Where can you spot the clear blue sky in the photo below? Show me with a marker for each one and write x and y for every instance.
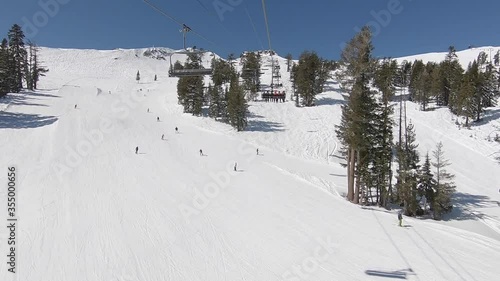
(416, 26)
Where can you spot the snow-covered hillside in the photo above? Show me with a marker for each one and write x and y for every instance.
(465, 56)
(90, 208)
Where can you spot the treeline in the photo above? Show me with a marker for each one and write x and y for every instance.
(465, 92)
(19, 63)
(366, 129)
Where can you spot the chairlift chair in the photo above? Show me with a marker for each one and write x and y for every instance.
(176, 72)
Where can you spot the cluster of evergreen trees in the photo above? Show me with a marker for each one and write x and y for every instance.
(366, 133)
(225, 97)
(465, 93)
(309, 77)
(19, 63)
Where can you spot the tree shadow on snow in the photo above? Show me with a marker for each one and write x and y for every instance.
(20, 99)
(463, 202)
(329, 101)
(26, 98)
(489, 116)
(256, 125)
(10, 120)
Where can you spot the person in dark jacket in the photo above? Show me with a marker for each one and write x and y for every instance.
(400, 218)
(136, 149)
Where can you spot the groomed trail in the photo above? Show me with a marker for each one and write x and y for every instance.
(90, 208)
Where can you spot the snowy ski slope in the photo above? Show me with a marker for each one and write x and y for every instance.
(89, 208)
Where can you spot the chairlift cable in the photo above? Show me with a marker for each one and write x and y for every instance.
(267, 24)
(177, 21)
(211, 13)
(253, 26)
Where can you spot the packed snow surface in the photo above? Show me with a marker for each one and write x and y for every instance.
(90, 208)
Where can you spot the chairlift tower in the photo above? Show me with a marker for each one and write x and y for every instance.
(276, 74)
(185, 29)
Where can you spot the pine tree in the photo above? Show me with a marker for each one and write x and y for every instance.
(237, 106)
(486, 87)
(449, 80)
(4, 68)
(138, 76)
(222, 73)
(28, 63)
(417, 72)
(37, 69)
(218, 104)
(403, 81)
(356, 130)
(426, 182)
(407, 178)
(293, 78)
(385, 78)
(251, 73)
(445, 188)
(325, 69)
(496, 58)
(190, 90)
(18, 52)
(309, 80)
(465, 103)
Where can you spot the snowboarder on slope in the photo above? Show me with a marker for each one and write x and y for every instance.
(257, 151)
(158, 119)
(162, 136)
(136, 149)
(400, 218)
(176, 130)
(75, 106)
(235, 166)
(201, 152)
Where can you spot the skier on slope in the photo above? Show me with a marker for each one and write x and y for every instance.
(400, 218)
(201, 152)
(235, 166)
(176, 130)
(158, 119)
(136, 149)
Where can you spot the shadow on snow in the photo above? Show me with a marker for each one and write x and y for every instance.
(10, 120)
(256, 125)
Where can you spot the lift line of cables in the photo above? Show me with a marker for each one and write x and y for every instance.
(267, 24)
(185, 28)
